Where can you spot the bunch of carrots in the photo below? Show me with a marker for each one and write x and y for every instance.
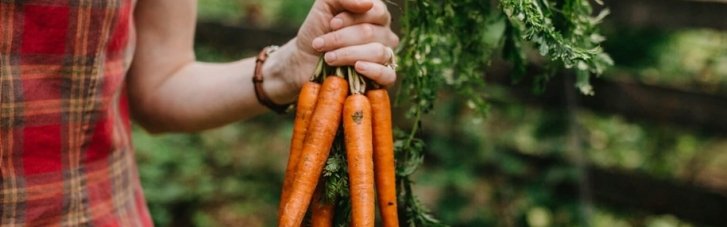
(323, 104)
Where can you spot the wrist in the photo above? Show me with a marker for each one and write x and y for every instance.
(280, 88)
(285, 71)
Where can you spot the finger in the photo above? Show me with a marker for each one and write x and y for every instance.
(355, 6)
(371, 52)
(380, 74)
(394, 40)
(378, 15)
(355, 35)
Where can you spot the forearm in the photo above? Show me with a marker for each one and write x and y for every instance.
(169, 91)
(200, 95)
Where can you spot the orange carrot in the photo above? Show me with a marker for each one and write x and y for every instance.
(304, 110)
(359, 150)
(384, 169)
(317, 145)
(322, 210)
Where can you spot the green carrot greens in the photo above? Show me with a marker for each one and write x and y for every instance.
(449, 44)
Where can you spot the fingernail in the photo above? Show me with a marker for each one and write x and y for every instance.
(330, 57)
(318, 43)
(336, 23)
(364, 3)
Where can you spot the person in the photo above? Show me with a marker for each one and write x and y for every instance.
(72, 73)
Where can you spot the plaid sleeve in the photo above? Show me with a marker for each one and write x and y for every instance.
(65, 151)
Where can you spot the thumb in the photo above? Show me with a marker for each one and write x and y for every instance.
(354, 6)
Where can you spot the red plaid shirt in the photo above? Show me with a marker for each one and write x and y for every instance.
(65, 152)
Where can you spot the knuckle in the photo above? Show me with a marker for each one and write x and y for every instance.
(390, 78)
(343, 55)
(379, 11)
(382, 73)
(382, 52)
(394, 40)
(385, 4)
(335, 39)
(367, 31)
(376, 76)
(380, 5)
(344, 16)
(383, 14)
(348, 19)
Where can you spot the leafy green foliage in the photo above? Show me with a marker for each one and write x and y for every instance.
(687, 59)
(271, 13)
(449, 44)
(335, 177)
(573, 44)
(201, 179)
(232, 176)
(335, 174)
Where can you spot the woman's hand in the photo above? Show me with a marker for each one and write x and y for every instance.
(348, 32)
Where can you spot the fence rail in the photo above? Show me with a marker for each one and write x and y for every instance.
(635, 191)
(692, 110)
(668, 14)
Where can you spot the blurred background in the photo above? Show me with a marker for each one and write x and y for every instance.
(649, 149)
